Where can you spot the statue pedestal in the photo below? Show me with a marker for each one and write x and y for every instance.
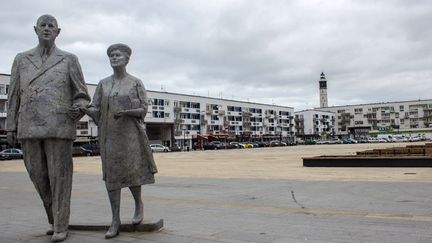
(143, 227)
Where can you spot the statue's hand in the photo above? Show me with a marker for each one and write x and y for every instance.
(85, 110)
(75, 113)
(119, 114)
(11, 138)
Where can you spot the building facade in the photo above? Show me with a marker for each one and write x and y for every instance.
(176, 119)
(412, 118)
(314, 124)
(4, 87)
(184, 117)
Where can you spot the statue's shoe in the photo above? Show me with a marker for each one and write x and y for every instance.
(138, 217)
(111, 234)
(50, 230)
(59, 236)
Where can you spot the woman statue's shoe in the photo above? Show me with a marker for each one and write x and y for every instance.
(138, 217)
(50, 230)
(111, 234)
(59, 236)
(113, 231)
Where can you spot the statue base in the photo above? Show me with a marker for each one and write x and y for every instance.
(143, 227)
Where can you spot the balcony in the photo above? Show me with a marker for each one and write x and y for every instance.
(246, 114)
(185, 110)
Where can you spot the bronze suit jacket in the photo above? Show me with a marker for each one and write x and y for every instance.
(41, 94)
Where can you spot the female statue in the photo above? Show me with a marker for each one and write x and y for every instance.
(119, 107)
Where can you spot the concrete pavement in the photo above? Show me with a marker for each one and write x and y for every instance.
(239, 196)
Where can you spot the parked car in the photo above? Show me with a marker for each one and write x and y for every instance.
(274, 143)
(93, 147)
(415, 139)
(322, 142)
(247, 144)
(159, 148)
(80, 151)
(236, 145)
(263, 144)
(254, 144)
(372, 140)
(11, 154)
(336, 141)
(349, 141)
(214, 145)
(362, 140)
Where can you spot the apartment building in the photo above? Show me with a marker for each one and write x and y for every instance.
(186, 117)
(4, 87)
(179, 118)
(401, 117)
(314, 124)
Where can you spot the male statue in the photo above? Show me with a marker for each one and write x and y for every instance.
(46, 91)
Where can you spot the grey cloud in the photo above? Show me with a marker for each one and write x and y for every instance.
(264, 51)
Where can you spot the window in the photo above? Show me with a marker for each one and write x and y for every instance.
(195, 127)
(195, 105)
(82, 125)
(185, 104)
(158, 114)
(185, 116)
(2, 89)
(158, 102)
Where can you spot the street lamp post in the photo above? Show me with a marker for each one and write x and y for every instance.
(280, 134)
(184, 136)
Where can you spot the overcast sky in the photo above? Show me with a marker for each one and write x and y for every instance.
(262, 51)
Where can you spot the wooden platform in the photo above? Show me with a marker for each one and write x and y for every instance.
(409, 156)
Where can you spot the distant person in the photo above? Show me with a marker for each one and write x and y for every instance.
(119, 107)
(46, 93)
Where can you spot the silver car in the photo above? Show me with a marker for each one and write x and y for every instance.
(159, 148)
(11, 154)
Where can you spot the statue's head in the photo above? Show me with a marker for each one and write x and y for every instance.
(119, 54)
(47, 29)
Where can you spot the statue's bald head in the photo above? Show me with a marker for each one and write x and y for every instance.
(47, 30)
(46, 17)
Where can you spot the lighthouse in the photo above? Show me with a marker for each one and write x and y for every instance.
(323, 91)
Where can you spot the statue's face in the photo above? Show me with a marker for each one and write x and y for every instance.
(118, 58)
(47, 29)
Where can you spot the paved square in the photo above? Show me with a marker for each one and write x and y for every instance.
(250, 195)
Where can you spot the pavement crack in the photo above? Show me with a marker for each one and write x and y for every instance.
(295, 200)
